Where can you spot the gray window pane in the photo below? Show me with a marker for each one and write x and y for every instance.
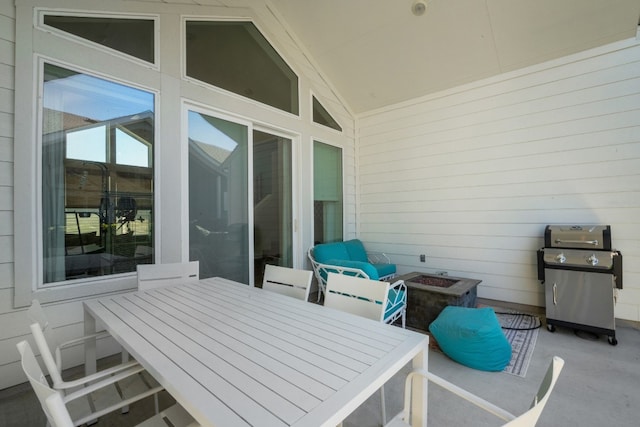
(236, 57)
(134, 37)
(322, 116)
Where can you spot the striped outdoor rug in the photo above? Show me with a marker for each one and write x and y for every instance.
(522, 338)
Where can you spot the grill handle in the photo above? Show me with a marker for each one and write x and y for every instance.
(577, 242)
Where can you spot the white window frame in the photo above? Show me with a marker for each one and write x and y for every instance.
(34, 47)
(170, 87)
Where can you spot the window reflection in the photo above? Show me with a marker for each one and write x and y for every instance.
(97, 177)
(218, 197)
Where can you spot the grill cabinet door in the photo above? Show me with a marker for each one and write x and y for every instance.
(580, 297)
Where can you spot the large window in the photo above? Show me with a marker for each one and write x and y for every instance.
(97, 176)
(146, 135)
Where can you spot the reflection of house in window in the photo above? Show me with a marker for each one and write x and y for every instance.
(107, 192)
(209, 164)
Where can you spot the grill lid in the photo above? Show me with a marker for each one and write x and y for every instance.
(594, 237)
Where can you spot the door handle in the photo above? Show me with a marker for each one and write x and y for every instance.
(555, 294)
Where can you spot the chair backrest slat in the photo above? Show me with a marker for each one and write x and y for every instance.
(37, 379)
(364, 297)
(151, 276)
(45, 339)
(288, 281)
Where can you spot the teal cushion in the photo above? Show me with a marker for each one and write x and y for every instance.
(472, 337)
(356, 251)
(369, 269)
(326, 251)
(384, 269)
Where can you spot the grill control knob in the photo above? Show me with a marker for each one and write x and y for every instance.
(561, 258)
(593, 260)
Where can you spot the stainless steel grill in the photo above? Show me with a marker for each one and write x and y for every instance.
(581, 274)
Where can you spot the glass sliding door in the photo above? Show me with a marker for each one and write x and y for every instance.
(327, 193)
(272, 202)
(218, 196)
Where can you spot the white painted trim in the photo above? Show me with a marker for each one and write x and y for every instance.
(31, 55)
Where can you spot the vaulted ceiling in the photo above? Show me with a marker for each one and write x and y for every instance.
(377, 52)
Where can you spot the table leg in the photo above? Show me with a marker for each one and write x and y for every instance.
(90, 344)
(419, 393)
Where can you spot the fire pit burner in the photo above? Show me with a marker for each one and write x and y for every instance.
(428, 294)
(434, 281)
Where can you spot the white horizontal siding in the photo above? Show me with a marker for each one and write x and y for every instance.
(471, 176)
(13, 324)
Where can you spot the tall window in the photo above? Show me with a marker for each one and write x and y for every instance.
(327, 193)
(97, 176)
(272, 202)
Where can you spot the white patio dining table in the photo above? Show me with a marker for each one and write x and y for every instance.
(236, 355)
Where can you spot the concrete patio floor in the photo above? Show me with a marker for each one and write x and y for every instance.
(599, 386)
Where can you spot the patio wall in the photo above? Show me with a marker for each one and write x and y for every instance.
(67, 317)
(471, 176)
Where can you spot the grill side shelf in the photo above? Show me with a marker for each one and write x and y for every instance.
(541, 265)
(617, 268)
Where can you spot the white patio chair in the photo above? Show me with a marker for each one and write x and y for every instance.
(287, 281)
(527, 419)
(114, 386)
(73, 409)
(367, 298)
(152, 276)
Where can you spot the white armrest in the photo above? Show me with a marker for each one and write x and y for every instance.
(378, 258)
(74, 341)
(87, 390)
(105, 376)
(470, 397)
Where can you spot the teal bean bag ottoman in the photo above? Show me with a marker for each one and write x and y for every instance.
(472, 337)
